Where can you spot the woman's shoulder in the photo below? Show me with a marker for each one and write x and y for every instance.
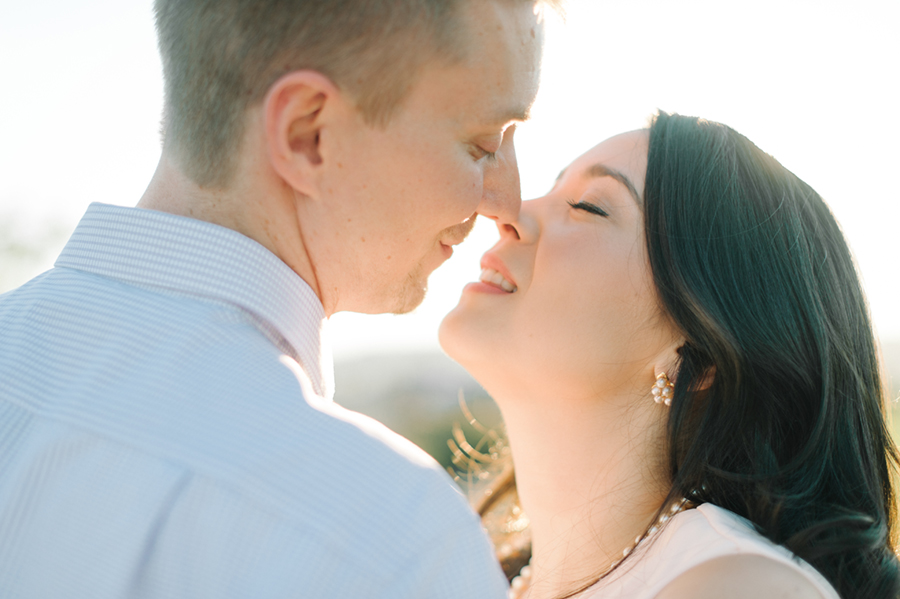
(722, 554)
(742, 576)
(704, 548)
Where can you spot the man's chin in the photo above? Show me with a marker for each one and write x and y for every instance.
(410, 300)
(411, 295)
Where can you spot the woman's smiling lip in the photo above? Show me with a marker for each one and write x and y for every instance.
(484, 288)
(491, 261)
(494, 277)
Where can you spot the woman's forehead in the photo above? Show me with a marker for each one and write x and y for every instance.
(624, 154)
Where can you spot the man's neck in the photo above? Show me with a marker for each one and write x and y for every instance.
(172, 191)
(248, 207)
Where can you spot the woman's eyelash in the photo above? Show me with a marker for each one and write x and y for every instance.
(588, 208)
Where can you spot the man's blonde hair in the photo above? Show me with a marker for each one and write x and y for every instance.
(221, 56)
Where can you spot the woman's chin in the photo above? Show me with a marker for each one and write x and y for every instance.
(469, 343)
(448, 334)
(462, 339)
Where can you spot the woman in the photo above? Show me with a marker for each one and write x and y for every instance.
(680, 347)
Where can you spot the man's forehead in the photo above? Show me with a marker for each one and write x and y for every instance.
(496, 83)
(505, 47)
(509, 103)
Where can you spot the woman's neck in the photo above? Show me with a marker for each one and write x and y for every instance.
(590, 478)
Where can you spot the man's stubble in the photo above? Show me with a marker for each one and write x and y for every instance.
(414, 289)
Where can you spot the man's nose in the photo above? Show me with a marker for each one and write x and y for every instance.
(502, 196)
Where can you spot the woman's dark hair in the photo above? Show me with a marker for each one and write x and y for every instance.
(751, 266)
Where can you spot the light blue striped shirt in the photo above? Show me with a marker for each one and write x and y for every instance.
(166, 430)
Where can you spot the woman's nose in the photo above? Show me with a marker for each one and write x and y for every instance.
(525, 228)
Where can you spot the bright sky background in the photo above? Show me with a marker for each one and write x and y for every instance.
(813, 82)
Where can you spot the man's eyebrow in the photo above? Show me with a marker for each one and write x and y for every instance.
(601, 170)
(515, 114)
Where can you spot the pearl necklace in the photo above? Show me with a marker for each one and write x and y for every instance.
(520, 584)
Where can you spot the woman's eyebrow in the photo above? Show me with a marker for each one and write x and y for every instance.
(601, 170)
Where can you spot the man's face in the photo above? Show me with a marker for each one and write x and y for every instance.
(396, 199)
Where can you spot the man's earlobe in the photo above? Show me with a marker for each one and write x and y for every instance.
(293, 110)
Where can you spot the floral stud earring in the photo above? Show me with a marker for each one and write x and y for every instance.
(663, 389)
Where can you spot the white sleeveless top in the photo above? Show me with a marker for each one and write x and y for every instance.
(689, 539)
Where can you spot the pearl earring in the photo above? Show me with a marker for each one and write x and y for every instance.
(663, 389)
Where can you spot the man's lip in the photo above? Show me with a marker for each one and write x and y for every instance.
(490, 260)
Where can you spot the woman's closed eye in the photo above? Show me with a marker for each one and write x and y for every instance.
(588, 207)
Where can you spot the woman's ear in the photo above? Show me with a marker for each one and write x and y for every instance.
(668, 360)
(295, 110)
(707, 379)
(670, 368)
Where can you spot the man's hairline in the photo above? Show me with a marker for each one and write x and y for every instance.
(513, 113)
(459, 54)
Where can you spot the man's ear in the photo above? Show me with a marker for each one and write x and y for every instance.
(294, 111)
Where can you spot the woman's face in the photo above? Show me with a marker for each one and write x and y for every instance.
(584, 317)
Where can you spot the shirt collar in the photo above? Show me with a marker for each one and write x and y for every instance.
(184, 255)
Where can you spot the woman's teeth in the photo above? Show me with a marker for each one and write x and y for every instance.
(489, 275)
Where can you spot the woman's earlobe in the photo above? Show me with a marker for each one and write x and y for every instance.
(706, 381)
(663, 389)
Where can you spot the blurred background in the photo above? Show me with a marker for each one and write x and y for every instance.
(813, 82)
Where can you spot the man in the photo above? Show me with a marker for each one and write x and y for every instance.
(166, 427)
